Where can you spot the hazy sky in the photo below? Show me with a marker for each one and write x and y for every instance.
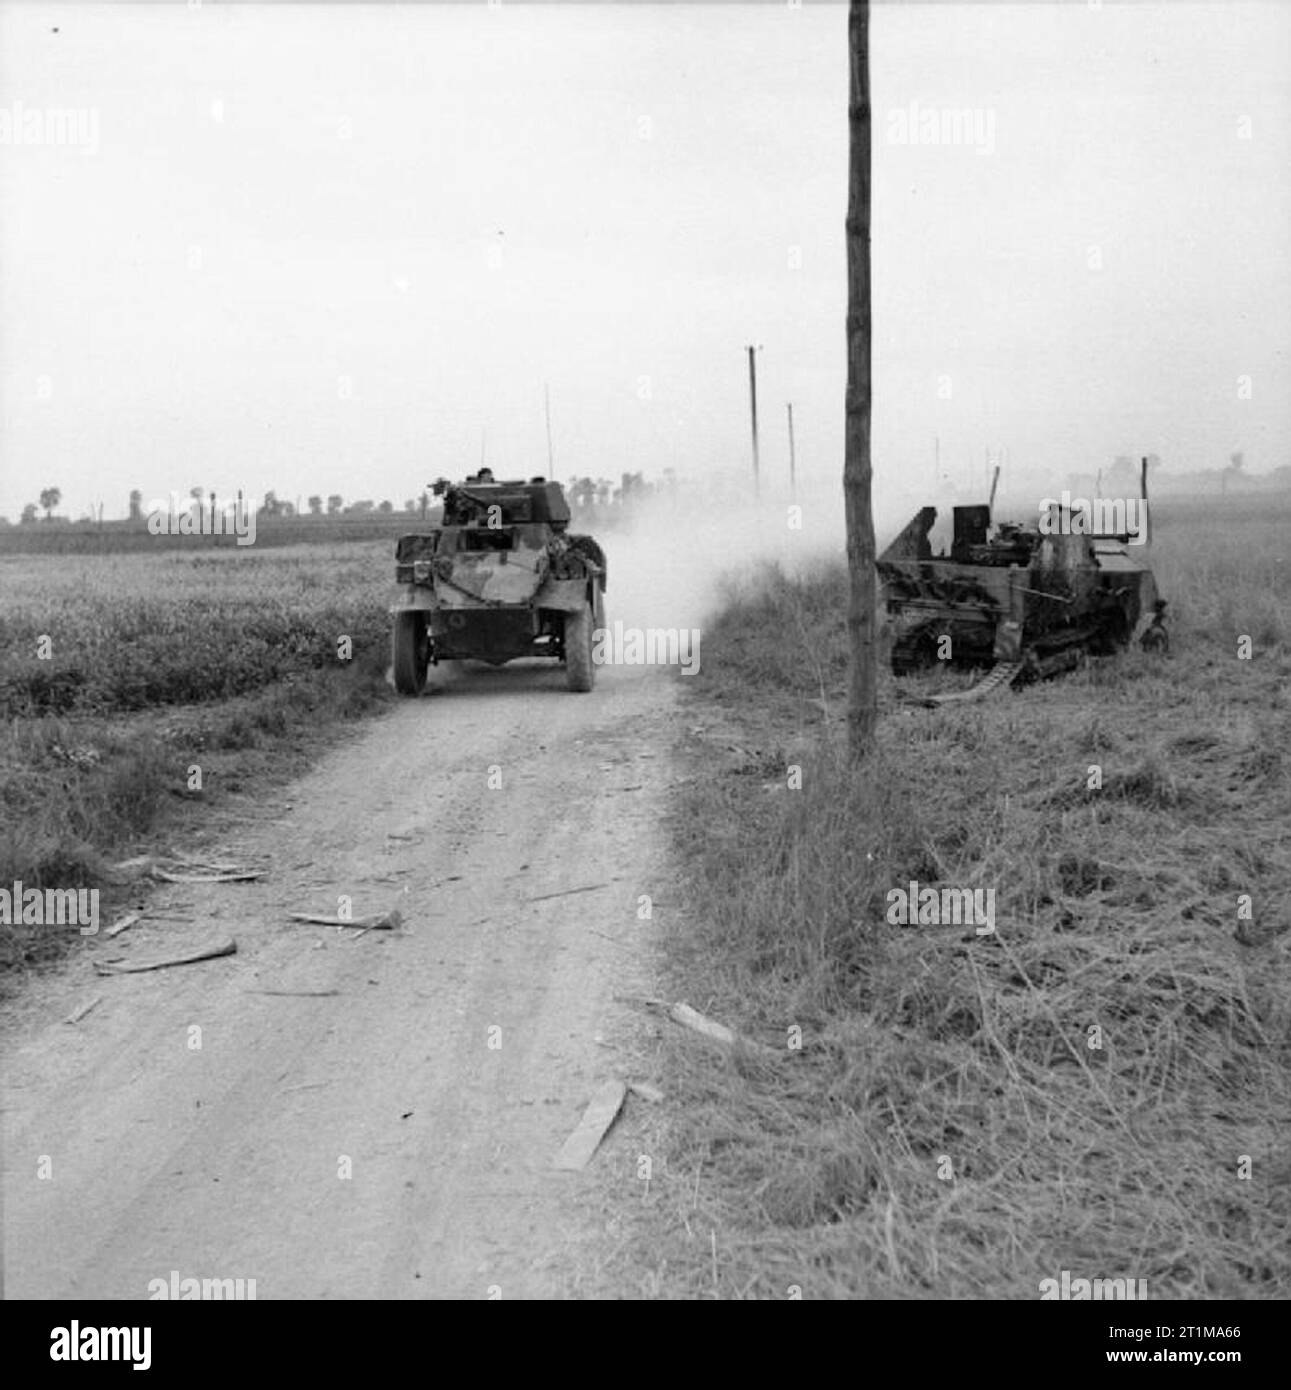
(324, 248)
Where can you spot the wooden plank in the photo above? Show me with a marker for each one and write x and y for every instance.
(244, 876)
(692, 1018)
(597, 1118)
(78, 1014)
(719, 1032)
(567, 892)
(227, 947)
(117, 927)
(387, 921)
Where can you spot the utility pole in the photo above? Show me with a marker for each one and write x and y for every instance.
(793, 471)
(1143, 493)
(551, 467)
(862, 703)
(753, 407)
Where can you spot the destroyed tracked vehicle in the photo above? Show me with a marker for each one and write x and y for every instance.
(1028, 601)
(499, 578)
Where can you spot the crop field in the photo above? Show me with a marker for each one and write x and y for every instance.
(120, 633)
(118, 673)
(1102, 1085)
(134, 537)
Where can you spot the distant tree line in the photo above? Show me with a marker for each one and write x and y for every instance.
(582, 492)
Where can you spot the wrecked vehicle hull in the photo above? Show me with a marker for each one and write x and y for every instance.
(1038, 600)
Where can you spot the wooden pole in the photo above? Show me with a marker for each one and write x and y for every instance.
(793, 469)
(753, 411)
(1143, 493)
(862, 705)
(551, 466)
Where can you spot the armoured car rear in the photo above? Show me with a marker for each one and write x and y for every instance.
(500, 578)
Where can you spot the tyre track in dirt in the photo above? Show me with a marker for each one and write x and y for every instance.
(225, 1160)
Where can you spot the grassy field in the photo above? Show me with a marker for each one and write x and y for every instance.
(62, 537)
(1103, 1085)
(121, 673)
(130, 632)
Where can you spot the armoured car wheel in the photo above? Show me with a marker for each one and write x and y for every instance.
(580, 673)
(587, 545)
(411, 645)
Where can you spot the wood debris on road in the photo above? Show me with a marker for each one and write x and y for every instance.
(597, 1118)
(700, 1023)
(118, 927)
(77, 1014)
(227, 947)
(387, 921)
(238, 876)
(567, 892)
(181, 869)
(298, 993)
(690, 1018)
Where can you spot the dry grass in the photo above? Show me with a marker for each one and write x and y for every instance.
(966, 1116)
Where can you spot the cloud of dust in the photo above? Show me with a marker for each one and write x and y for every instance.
(671, 556)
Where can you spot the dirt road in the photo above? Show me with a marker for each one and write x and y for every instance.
(395, 1138)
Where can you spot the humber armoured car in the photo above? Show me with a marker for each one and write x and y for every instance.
(499, 578)
(1030, 601)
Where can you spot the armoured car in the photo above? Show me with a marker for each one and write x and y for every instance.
(500, 578)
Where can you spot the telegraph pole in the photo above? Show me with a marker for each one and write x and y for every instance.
(551, 467)
(753, 407)
(862, 702)
(793, 472)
